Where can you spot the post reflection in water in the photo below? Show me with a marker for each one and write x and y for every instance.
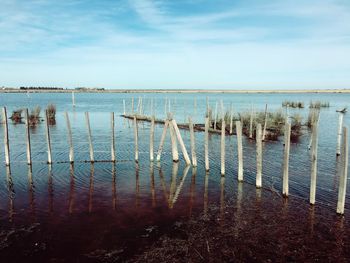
(11, 193)
(174, 173)
(72, 189)
(31, 192)
(162, 182)
(137, 187)
(50, 189)
(193, 189)
(179, 188)
(206, 182)
(312, 219)
(222, 199)
(153, 192)
(114, 187)
(91, 186)
(238, 216)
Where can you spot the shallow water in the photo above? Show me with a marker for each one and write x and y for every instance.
(102, 205)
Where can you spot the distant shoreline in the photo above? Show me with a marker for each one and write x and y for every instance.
(178, 91)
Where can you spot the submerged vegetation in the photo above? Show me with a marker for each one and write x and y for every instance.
(51, 114)
(293, 104)
(34, 116)
(319, 104)
(16, 116)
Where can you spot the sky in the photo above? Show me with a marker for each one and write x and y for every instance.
(175, 44)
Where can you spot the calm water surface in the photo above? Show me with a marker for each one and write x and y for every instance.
(95, 206)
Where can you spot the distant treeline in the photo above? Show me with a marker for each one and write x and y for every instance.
(40, 88)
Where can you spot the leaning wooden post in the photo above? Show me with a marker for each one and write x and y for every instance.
(340, 126)
(89, 136)
(6, 138)
(29, 153)
(70, 139)
(124, 107)
(314, 144)
(162, 139)
(287, 131)
(151, 140)
(182, 145)
(193, 143)
(223, 131)
(136, 135)
(344, 173)
(258, 156)
(113, 137)
(206, 143)
(48, 139)
(265, 123)
(174, 150)
(239, 150)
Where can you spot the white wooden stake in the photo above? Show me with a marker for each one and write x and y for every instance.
(344, 173)
(239, 150)
(89, 137)
(287, 132)
(70, 139)
(258, 156)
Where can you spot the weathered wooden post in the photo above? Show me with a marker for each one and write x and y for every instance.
(29, 153)
(124, 110)
(314, 145)
(206, 143)
(287, 132)
(344, 173)
(231, 119)
(48, 139)
(216, 113)
(6, 137)
(162, 139)
(89, 137)
(174, 150)
(193, 143)
(113, 137)
(73, 99)
(151, 140)
(340, 127)
(258, 156)
(251, 123)
(70, 139)
(136, 135)
(182, 145)
(265, 123)
(223, 131)
(239, 150)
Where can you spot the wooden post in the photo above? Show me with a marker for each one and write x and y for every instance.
(182, 145)
(223, 125)
(265, 123)
(48, 139)
(340, 126)
(136, 135)
(113, 137)
(70, 139)
(132, 105)
(73, 99)
(151, 140)
(206, 143)
(344, 173)
(6, 138)
(216, 113)
(231, 119)
(314, 144)
(29, 154)
(174, 150)
(124, 107)
(251, 124)
(89, 136)
(258, 156)
(162, 139)
(287, 132)
(193, 143)
(239, 150)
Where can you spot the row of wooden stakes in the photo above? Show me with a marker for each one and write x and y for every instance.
(175, 136)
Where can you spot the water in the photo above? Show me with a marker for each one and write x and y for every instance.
(89, 207)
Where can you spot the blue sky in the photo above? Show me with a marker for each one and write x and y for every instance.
(205, 44)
